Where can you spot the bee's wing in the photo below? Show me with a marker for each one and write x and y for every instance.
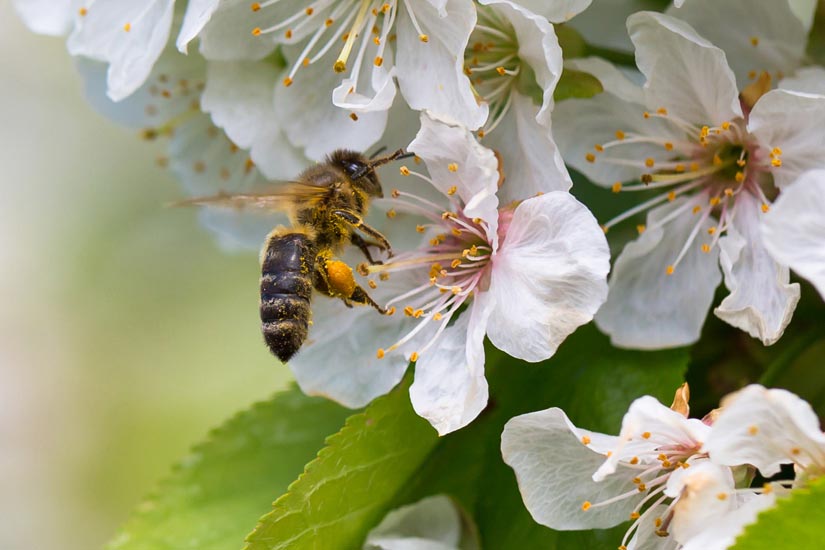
(278, 198)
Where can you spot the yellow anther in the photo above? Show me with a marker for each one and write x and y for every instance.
(765, 208)
(339, 66)
(642, 487)
(776, 162)
(288, 34)
(795, 451)
(646, 435)
(617, 187)
(404, 171)
(456, 231)
(455, 263)
(694, 166)
(309, 11)
(391, 310)
(662, 111)
(590, 157)
(127, 27)
(679, 168)
(711, 230)
(657, 522)
(753, 430)
(385, 8)
(501, 70)
(634, 460)
(635, 515)
(306, 62)
(380, 353)
(728, 192)
(437, 317)
(329, 22)
(696, 209)
(649, 162)
(704, 131)
(669, 270)
(741, 163)
(605, 229)
(666, 464)
(586, 505)
(414, 357)
(435, 270)
(480, 134)
(455, 289)
(767, 488)
(384, 276)
(671, 196)
(376, 40)
(754, 40)
(256, 31)
(378, 61)
(372, 284)
(620, 135)
(722, 496)
(354, 117)
(739, 177)
(668, 146)
(726, 125)
(641, 228)
(776, 151)
(636, 480)
(420, 228)
(452, 190)
(424, 38)
(622, 546)
(391, 213)
(408, 311)
(82, 12)
(585, 440)
(714, 201)
(717, 160)
(646, 114)
(418, 313)
(452, 167)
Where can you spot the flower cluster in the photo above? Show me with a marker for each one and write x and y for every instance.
(717, 130)
(682, 482)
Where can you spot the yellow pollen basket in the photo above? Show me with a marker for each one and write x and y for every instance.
(340, 278)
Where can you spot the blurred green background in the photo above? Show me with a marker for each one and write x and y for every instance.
(125, 334)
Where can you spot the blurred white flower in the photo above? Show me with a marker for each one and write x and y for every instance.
(767, 428)
(794, 229)
(685, 135)
(432, 523)
(655, 473)
(514, 61)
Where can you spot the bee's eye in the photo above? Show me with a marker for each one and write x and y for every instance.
(354, 169)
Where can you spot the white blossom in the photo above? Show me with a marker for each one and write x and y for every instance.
(432, 523)
(685, 135)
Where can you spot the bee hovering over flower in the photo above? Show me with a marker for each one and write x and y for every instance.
(326, 204)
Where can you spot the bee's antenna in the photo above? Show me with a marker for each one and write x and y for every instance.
(399, 154)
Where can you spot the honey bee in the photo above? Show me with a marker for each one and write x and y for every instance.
(326, 205)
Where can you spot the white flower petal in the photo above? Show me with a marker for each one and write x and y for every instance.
(238, 95)
(580, 124)
(794, 228)
(311, 121)
(761, 302)
(339, 360)
(779, 34)
(557, 11)
(554, 468)
(129, 35)
(52, 17)
(431, 74)
(449, 388)
(549, 276)
(531, 162)
(685, 73)
(705, 491)
(721, 532)
(809, 80)
(805, 11)
(445, 147)
(432, 523)
(228, 34)
(765, 428)
(198, 13)
(647, 309)
(792, 122)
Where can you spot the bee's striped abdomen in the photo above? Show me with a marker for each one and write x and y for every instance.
(286, 288)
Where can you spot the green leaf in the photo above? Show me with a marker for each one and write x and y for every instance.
(795, 522)
(592, 381)
(350, 486)
(216, 494)
(577, 84)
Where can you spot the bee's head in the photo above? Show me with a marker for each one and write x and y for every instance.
(359, 169)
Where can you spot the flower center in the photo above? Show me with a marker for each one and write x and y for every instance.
(492, 62)
(712, 165)
(327, 23)
(452, 264)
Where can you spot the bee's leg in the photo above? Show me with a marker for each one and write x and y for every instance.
(356, 222)
(363, 245)
(334, 278)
